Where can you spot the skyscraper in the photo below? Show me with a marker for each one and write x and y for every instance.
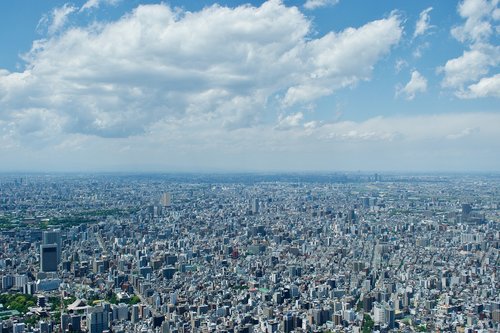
(166, 199)
(48, 258)
(97, 320)
(53, 237)
(255, 205)
(135, 313)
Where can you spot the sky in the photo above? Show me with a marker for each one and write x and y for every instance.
(237, 86)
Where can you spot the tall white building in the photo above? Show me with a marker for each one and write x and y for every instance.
(166, 199)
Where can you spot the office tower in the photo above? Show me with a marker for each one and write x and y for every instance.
(158, 320)
(272, 326)
(466, 209)
(97, 320)
(53, 237)
(165, 327)
(366, 202)
(384, 314)
(173, 298)
(7, 282)
(76, 323)
(65, 321)
(255, 206)
(48, 258)
(20, 281)
(351, 216)
(166, 199)
(390, 315)
(288, 323)
(135, 314)
(44, 327)
(29, 288)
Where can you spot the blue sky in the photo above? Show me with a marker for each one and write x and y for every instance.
(313, 85)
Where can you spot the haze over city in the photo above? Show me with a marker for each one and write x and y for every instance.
(316, 85)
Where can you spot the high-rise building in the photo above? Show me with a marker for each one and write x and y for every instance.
(384, 314)
(135, 313)
(255, 205)
(466, 209)
(7, 282)
(48, 258)
(390, 315)
(288, 323)
(165, 327)
(53, 237)
(97, 320)
(76, 323)
(366, 202)
(44, 327)
(65, 321)
(166, 199)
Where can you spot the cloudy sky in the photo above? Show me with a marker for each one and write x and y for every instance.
(312, 85)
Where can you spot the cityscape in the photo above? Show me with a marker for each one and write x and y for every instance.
(342, 252)
(249, 166)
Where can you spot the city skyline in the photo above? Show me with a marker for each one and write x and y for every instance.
(316, 85)
(249, 253)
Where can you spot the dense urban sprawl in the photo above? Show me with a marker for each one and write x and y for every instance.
(249, 253)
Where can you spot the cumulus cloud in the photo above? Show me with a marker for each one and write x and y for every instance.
(486, 87)
(56, 19)
(471, 66)
(313, 4)
(467, 74)
(417, 83)
(338, 60)
(478, 15)
(423, 24)
(156, 65)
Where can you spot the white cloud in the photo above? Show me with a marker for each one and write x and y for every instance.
(313, 4)
(290, 121)
(417, 84)
(57, 18)
(400, 64)
(467, 74)
(471, 66)
(340, 60)
(423, 23)
(486, 87)
(417, 53)
(464, 141)
(94, 4)
(156, 65)
(462, 134)
(412, 129)
(478, 15)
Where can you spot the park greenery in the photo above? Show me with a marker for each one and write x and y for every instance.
(18, 302)
(70, 220)
(367, 324)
